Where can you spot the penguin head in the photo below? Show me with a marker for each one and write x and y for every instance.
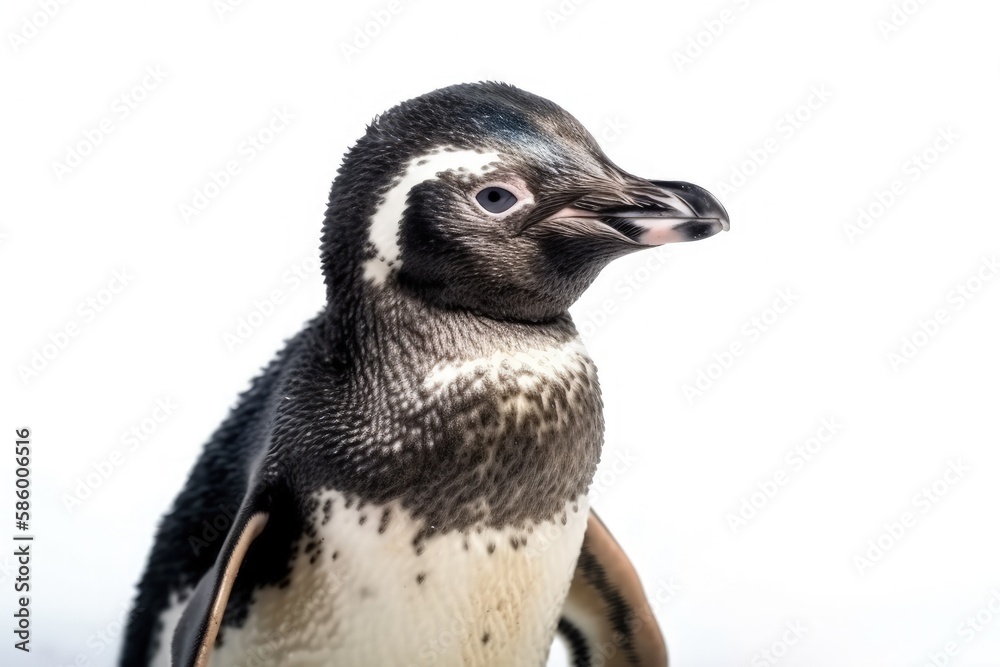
(487, 198)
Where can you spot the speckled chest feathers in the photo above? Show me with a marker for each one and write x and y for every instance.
(466, 421)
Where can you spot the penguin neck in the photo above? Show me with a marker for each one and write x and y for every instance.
(447, 388)
(390, 323)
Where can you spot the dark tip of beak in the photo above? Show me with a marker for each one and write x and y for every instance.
(702, 202)
(694, 230)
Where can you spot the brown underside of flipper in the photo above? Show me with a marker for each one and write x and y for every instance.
(195, 635)
(606, 619)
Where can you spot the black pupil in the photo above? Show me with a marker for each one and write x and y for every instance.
(493, 196)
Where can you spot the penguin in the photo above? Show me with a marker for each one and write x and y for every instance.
(406, 483)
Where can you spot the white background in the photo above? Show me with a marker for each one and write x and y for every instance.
(685, 463)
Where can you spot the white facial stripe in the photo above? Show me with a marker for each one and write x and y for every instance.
(384, 232)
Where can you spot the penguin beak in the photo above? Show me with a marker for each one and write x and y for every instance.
(649, 213)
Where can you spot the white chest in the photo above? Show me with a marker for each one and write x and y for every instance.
(363, 596)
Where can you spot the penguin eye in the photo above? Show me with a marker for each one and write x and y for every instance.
(496, 200)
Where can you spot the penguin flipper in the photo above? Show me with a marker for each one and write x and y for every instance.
(198, 627)
(606, 618)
